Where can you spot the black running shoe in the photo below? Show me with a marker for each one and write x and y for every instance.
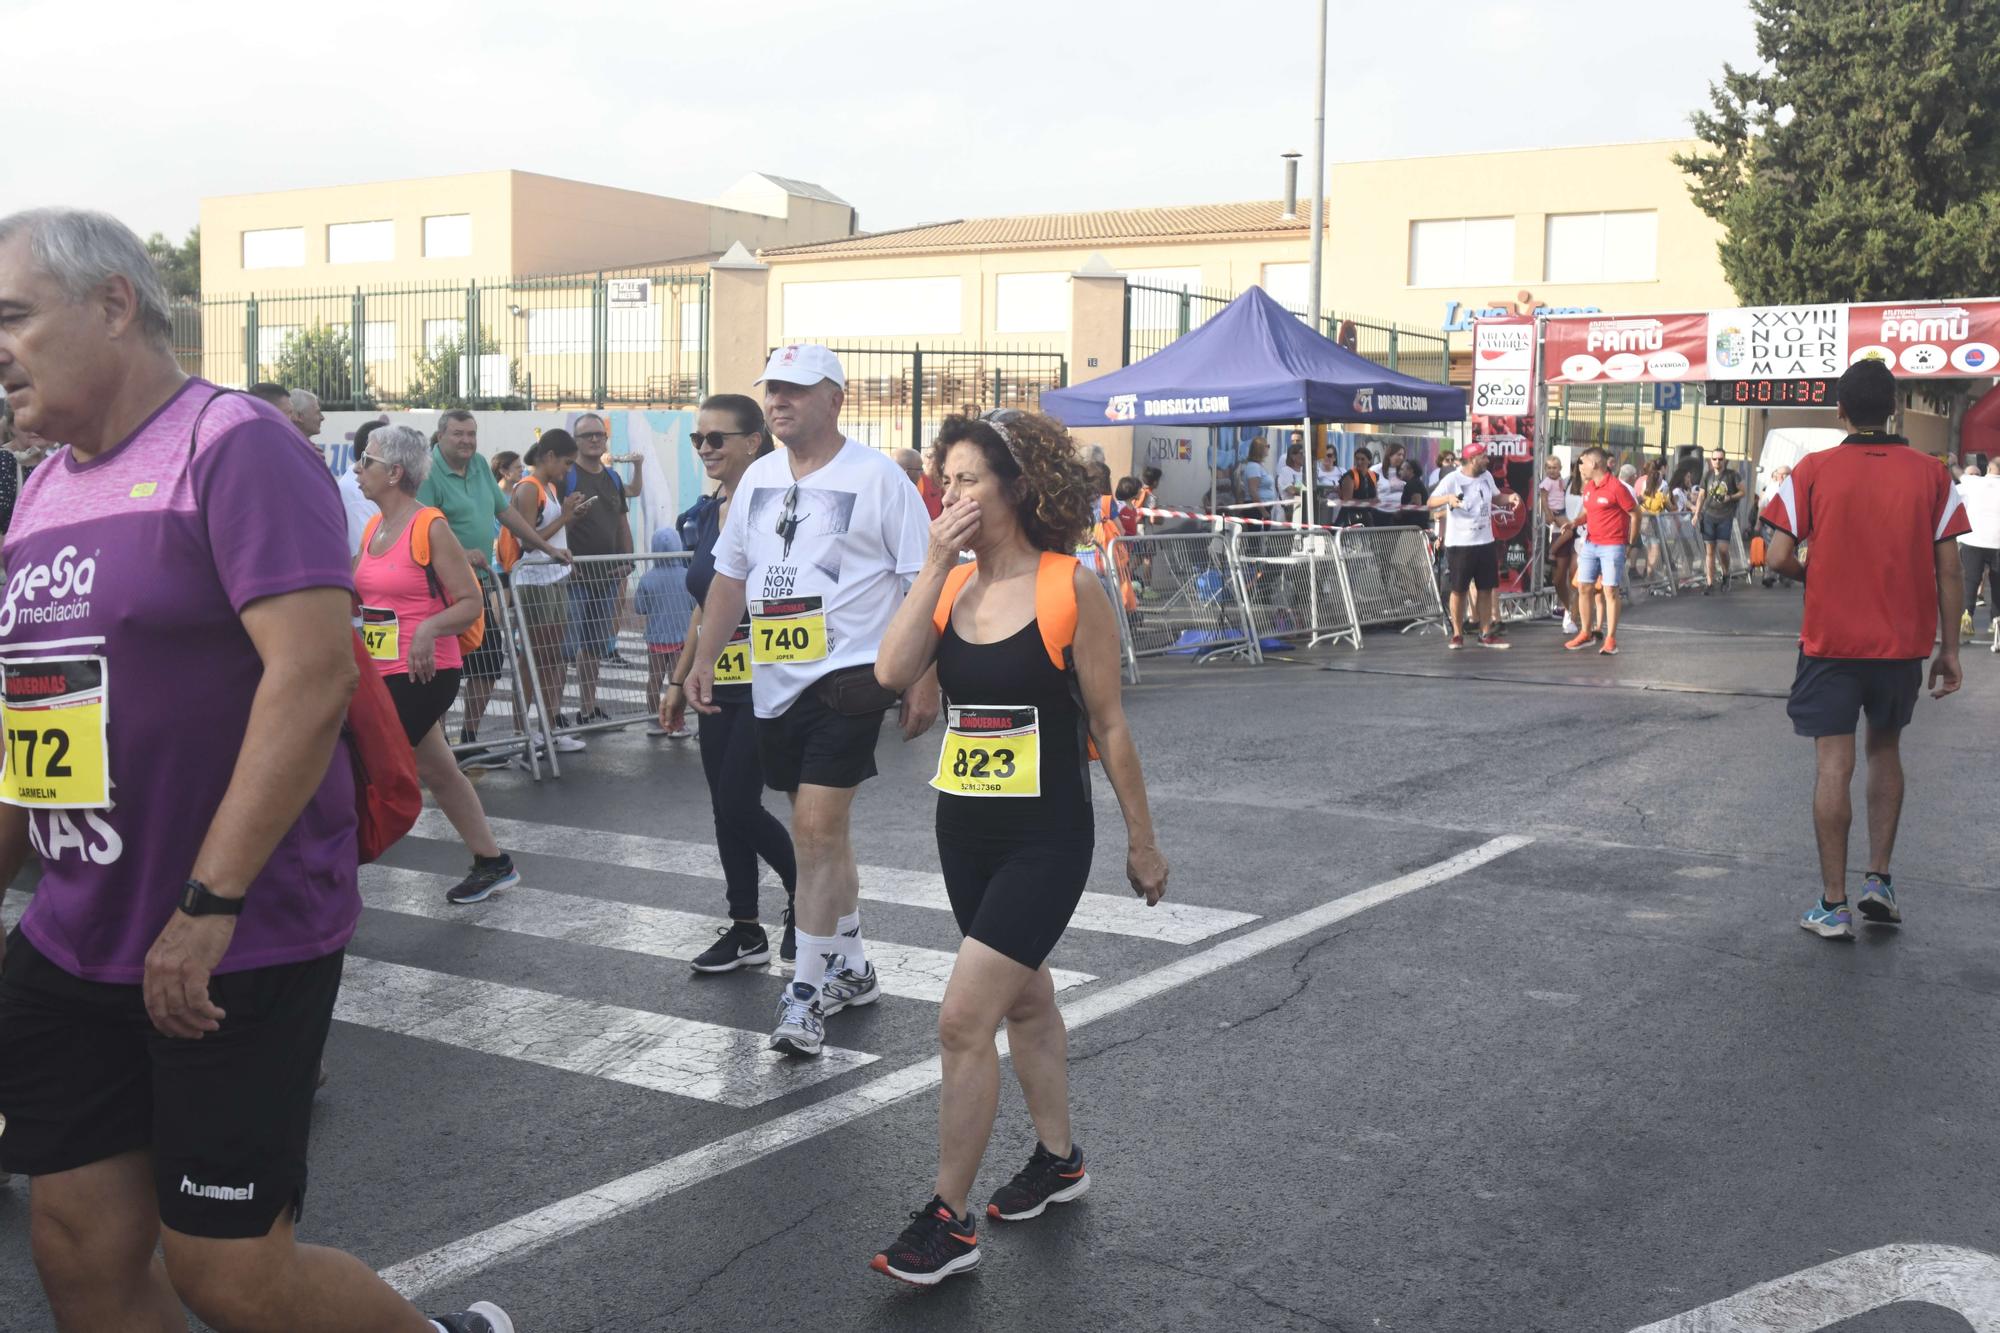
(738, 944)
(933, 1247)
(788, 944)
(489, 875)
(1046, 1179)
(483, 1317)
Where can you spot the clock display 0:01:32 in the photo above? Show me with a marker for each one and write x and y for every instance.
(1809, 392)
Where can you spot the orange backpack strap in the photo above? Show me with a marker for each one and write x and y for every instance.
(420, 534)
(369, 529)
(954, 584)
(1055, 606)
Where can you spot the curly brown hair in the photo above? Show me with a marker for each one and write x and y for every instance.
(1036, 459)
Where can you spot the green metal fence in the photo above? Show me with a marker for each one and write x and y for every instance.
(636, 339)
(1155, 316)
(898, 395)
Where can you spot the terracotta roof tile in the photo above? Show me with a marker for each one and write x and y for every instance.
(1192, 222)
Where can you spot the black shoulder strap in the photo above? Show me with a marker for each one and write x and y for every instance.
(194, 433)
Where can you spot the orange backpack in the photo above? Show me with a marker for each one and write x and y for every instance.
(420, 551)
(509, 549)
(1055, 614)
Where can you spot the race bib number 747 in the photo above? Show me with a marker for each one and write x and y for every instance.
(52, 711)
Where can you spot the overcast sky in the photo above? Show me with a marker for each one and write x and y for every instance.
(913, 110)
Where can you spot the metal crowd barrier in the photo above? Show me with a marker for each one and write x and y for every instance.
(1391, 577)
(600, 640)
(497, 697)
(1293, 584)
(1176, 593)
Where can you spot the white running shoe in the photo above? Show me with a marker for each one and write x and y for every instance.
(569, 744)
(801, 1030)
(1569, 624)
(847, 989)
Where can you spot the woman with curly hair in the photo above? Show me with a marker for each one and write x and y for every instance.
(1026, 648)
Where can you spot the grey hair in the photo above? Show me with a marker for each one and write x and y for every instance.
(1628, 472)
(302, 399)
(404, 447)
(80, 250)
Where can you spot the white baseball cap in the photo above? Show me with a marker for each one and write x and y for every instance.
(804, 363)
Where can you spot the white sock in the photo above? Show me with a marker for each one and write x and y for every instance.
(851, 943)
(813, 951)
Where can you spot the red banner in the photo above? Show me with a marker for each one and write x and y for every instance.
(1923, 339)
(1622, 349)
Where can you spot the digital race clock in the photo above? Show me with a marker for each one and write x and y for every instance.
(1770, 393)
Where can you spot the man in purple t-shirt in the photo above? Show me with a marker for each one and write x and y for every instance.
(176, 659)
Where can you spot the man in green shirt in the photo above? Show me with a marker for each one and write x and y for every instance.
(462, 485)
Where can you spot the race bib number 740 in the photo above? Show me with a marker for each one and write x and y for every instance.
(52, 711)
(791, 629)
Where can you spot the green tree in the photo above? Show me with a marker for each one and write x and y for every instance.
(1861, 161)
(441, 378)
(319, 358)
(179, 265)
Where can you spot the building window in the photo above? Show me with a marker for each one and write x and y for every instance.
(693, 320)
(1286, 284)
(559, 330)
(633, 328)
(1031, 303)
(278, 247)
(1602, 247)
(1451, 252)
(448, 236)
(437, 331)
(360, 242)
(271, 340)
(873, 307)
(378, 341)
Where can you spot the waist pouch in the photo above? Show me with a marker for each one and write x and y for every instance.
(854, 692)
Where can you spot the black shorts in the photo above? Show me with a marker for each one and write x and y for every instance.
(489, 659)
(1473, 566)
(84, 1076)
(810, 744)
(1829, 694)
(419, 707)
(1015, 897)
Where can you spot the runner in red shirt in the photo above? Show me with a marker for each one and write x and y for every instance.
(1882, 522)
(1608, 507)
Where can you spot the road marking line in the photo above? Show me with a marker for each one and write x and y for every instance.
(1964, 1281)
(461, 1259)
(658, 932)
(647, 1050)
(1112, 914)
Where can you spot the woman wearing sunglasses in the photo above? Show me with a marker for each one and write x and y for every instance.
(1026, 648)
(418, 594)
(729, 433)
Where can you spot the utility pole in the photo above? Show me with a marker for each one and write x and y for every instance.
(1318, 242)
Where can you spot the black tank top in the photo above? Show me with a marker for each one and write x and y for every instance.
(1017, 672)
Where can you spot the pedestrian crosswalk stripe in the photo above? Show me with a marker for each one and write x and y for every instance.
(646, 1050)
(1106, 913)
(906, 971)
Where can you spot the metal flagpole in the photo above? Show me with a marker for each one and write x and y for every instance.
(1318, 240)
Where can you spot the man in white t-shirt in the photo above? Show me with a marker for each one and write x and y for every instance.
(1467, 496)
(1979, 549)
(358, 506)
(822, 542)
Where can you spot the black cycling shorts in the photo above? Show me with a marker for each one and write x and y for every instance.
(419, 706)
(1015, 897)
(811, 744)
(488, 660)
(1830, 694)
(84, 1076)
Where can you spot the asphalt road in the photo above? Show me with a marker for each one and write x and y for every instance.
(1588, 1083)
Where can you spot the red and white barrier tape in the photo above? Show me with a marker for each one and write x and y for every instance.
(1272, 522)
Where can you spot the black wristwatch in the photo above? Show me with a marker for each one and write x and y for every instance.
(196, 900)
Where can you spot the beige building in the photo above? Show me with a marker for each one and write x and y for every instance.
(454, 229)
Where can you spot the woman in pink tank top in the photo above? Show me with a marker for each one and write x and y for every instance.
(411, 618)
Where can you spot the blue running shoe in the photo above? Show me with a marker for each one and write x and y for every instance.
(1831, 923)
(1878, 901)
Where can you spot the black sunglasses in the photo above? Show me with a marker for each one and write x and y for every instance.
(714, 438)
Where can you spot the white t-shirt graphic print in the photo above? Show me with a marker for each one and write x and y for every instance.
(1471, 525)
(852, 534)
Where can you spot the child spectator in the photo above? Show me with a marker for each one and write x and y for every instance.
(664, 601)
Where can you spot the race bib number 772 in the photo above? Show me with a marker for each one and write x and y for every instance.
(52, 711)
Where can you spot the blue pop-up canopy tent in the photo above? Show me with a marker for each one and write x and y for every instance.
(1253, 363)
